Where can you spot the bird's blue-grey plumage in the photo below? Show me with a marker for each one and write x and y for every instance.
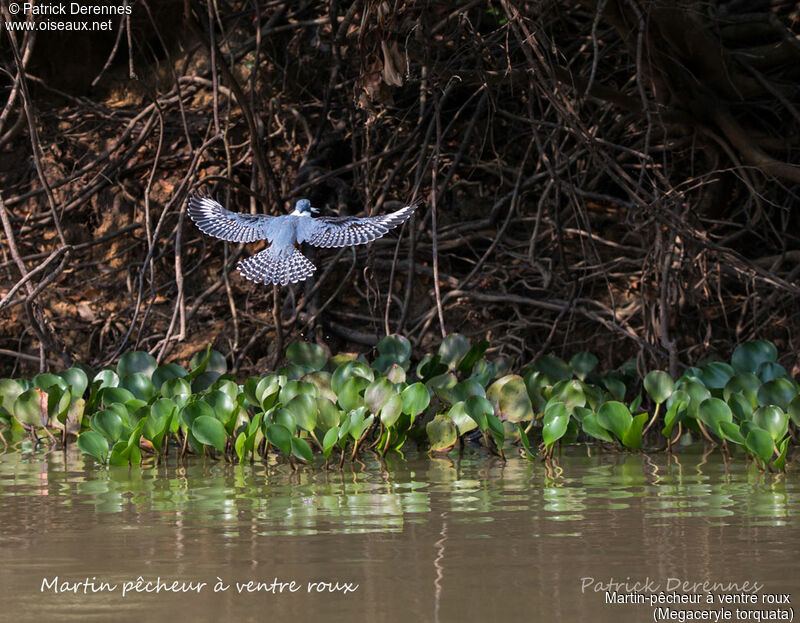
(281, 262)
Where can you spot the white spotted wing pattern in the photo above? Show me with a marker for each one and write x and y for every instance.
(282, 263)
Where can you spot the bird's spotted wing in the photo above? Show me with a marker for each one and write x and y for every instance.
(212, 219)
(277, 267)
(346, 231)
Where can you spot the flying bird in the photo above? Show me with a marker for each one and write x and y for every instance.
(282, 262)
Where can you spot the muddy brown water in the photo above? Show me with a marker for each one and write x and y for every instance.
(601, 538)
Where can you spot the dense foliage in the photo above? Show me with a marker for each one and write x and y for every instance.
(612, 176)
(346, 405)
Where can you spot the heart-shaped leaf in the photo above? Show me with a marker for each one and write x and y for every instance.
(94, 444)
(210, 432)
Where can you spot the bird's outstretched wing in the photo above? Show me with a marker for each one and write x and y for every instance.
(212, 219)
(346, 231)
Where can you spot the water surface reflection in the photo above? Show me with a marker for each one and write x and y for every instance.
(431, 538)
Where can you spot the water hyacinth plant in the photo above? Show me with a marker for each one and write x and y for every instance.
(345, 405)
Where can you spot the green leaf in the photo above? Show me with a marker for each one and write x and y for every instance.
(483, 372)
(280, 437)
(94, 444)
(302, 450)
(476, 351)
(249, 390)
(415, 399)
(330, 439)
(715, 375)
(120, 454)
(614, 384)
(194, 410)
(253, 429)
(570, 393)
(396, 374)
(77, 381)
(780, 462)
(430, 366)
(240, 446)
(203, 381)
(208, 360)
(136, 361)
(111, 395)
(442, 434)
(304, 410)
(285, 418)
(138, 384)
(760, 443)
(553, 367)
(172, 388)
(744, 383)
(159, 420)
(348, 370)
(45, 380)
(582, 364)
(9, 392)
(633, 436)
(658, 385)
(674, 412)
(321, 382)
(395, 346)
(769, 370)
(740, 406)
(107, 378)
(580, 413)
(591, 426)
(394, 350)
(731, 432)
(293, 388)
(453, 349)
(329, 414)
(30, 407)
(165, 373)
(773, 420)
(556, 419)
(134, 456)
(312, 356)
(616, 417)
(58, 403)
(479, 409)
(778, 392)
(510, 399)
(748, 357)
(697, 394)
(713, 411)
(441, 386)
(108, 424)
(267, 390)
(391, 410)
(465, 389)
(221, 404)
(73, 418)
(350, 395)
(794, 410)
(210, 432)
(292, 371)
(377, 393)
(357, 423)
(496, 428)
(459, 416)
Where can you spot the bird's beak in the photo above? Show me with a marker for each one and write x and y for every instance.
(314, 211)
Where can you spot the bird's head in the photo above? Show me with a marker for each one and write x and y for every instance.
(303, 208)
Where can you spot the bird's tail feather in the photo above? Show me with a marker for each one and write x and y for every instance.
(276, 268)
